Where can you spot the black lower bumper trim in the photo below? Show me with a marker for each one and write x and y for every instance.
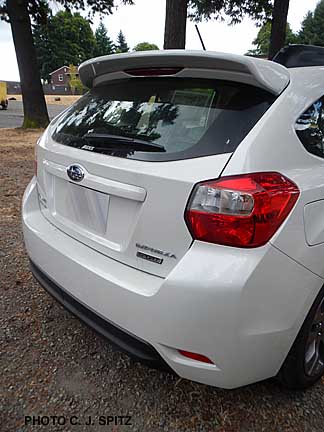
(131, 344)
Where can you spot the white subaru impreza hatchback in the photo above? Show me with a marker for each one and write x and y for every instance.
(178, 209)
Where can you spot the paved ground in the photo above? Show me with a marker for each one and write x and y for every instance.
(52, 365)
(13, 117)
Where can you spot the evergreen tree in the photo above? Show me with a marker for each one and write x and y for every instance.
(262, 41)
(121, 45)
(312, 31)
(104, 45)
(306, 33)
(65, 38)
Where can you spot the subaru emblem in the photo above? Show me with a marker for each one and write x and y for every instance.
(75, 172)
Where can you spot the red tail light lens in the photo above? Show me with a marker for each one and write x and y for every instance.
(240, 211)
(195, 356)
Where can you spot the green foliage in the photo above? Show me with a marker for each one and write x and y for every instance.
(145, 46)
(39, 9)
(121, 45)
(75, 82)
(306, 33)
(104, 45)
(312, 30)
(262, 41)
(66, 38)
(234, 10)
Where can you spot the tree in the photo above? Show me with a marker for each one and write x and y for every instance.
(175, 24)
(20, 13)
(66, 38)
(306, 34)
(35, 111)
(145, 46)
(312, 30)
(121, 45)
(75, 82)
(178, 10)
(233, 10)
(44, 46)
(104, 45)
(262, 41)
(278, 27)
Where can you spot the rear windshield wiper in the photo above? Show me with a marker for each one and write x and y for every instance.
(112, 140)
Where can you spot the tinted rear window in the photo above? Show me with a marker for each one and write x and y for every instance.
(162, 119)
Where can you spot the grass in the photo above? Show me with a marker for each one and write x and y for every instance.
(16, 138)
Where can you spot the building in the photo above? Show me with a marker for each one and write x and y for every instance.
(60, 80)
(60, 77)
(59, 83)
(13, 87)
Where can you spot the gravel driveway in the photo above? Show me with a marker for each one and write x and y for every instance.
(52, 365)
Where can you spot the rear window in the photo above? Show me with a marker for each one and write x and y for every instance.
(162, 119)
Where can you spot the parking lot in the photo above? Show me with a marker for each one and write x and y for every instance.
(53, 365)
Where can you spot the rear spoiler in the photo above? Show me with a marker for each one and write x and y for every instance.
(265, 74)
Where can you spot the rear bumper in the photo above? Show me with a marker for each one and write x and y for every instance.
(241, 309)
(134, 346)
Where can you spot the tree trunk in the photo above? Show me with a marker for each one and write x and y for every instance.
(175, 24)
(279, 26)
(35, 110)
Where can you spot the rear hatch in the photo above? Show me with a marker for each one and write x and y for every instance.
(116, 169)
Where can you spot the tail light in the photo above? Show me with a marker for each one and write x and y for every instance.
(240, 211)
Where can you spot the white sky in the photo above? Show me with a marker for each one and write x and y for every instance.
(145, 22)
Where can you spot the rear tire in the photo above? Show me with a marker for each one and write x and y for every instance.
(304, 365)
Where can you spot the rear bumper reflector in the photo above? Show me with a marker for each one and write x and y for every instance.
(196, 356)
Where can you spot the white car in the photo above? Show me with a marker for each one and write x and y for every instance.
(178, 209)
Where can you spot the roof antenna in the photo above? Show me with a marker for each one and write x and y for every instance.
(201, 40)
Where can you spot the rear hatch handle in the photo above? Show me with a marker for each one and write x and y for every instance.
(101, 184)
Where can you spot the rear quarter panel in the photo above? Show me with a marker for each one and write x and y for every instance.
(274, 146)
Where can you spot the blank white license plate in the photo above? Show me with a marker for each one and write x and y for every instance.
(81, 206)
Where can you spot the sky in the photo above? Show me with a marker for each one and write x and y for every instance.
(145, 22)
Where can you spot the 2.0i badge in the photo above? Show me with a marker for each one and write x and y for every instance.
(150, 258)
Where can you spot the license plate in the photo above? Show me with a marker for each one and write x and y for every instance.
(82, 206)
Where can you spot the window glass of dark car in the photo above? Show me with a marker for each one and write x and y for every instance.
(162, 119)
(310, 128)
